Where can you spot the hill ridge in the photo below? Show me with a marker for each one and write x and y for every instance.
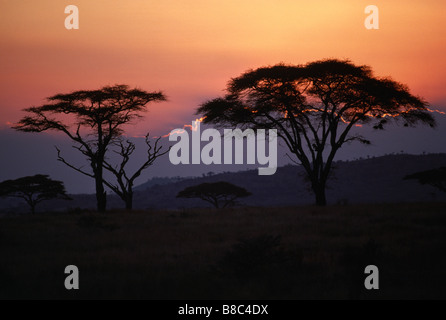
(367, 180)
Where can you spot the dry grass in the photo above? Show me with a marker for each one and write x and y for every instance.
(181, 254)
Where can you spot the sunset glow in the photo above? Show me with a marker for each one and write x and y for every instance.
(190, 49)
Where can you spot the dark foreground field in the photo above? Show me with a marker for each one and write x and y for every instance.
(246, 253)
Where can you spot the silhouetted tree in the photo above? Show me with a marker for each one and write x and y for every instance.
(434, 177)
(33, 189)
(219, 194)
(124, 186)
(100, 114)
(314, 107)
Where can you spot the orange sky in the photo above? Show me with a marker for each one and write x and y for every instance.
(190, 48)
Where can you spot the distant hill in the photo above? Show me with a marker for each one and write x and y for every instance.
(155, 181)
(372, 180)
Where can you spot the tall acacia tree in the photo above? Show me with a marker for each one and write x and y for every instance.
(314, 107)
(95, 120)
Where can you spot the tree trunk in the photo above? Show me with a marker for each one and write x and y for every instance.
(32, 203)
(101, 196)
(216, 204)
(319, 192)
(129, 202)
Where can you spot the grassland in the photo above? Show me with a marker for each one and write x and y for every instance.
(240, 253)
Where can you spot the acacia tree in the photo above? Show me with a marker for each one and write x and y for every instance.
(124, 186)
(34, 189)
(314, 107)
(219, 194)
(96, 118)
(434, 177)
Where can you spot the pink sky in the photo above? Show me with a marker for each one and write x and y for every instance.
(189, 49)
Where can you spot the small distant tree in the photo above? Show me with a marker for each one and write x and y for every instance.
(34, 189)
(219, 194)
(434, 177)
(124, 181)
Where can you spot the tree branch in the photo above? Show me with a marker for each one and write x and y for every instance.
(61, 159)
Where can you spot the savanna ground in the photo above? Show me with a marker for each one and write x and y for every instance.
(240, 253)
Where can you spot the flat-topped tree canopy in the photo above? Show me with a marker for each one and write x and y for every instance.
(434, 177)
(330, 89)
(110, 106)
(314, 107)
(34, 189)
